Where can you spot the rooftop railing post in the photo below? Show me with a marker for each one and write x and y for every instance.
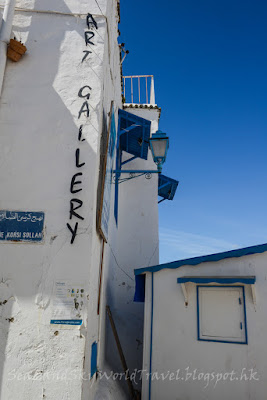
(146, 92)
(139, 89)
(152, 91)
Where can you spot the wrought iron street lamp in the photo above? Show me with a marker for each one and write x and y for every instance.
(159, 144)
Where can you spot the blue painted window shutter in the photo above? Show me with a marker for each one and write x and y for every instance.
(133, 137)
(134, 133)
(140, 287)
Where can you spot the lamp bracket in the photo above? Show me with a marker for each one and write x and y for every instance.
(160, 201)
(133, 173)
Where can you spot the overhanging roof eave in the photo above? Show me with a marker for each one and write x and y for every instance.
(202, 259)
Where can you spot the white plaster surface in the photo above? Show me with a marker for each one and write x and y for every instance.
(39, 135)
(134, 242)
(175, 344)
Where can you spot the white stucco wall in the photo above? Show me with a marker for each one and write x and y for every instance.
(133, 243)
(175, 344)
(39, 127)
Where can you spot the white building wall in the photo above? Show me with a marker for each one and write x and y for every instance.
(39, 128)
(133, 242)
(175, 344)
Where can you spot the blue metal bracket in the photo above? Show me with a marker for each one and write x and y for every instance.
(161, 200)
(134, 173)
(129, 159)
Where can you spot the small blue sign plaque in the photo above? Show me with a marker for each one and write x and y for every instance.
(66, 321)
(21, 226)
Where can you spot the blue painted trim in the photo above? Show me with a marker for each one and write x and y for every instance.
(220, 341)
(93, 359)
(118, 167)
(209, 258)
(198, 327)
(223, 280)
(116, 201)
(151, 335)
(245, 316)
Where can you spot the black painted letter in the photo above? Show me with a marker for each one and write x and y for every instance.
(91, 21)
(73, 232)
(77, 159)
(86, 54)
(72, 208)
(80, 134)
(84, 109)
(88, 35)
(87, 95)
(73, 183)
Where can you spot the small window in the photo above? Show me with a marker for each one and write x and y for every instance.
(221, 314)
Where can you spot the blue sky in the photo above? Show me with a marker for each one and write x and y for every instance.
(209, 61)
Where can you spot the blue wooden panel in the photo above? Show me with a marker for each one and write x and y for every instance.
(21, 226)
(134, 134)
(93, 359)
(167, 187)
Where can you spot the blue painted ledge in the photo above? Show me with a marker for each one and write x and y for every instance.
(248, 280)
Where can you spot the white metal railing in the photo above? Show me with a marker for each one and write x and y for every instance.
(139, 89)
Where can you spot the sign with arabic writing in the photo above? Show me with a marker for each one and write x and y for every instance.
(21, 226)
